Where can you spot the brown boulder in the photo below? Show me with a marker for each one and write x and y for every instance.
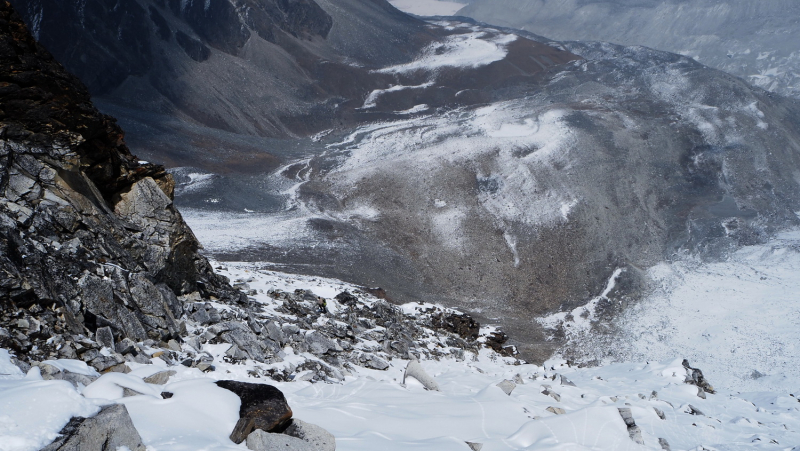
(263, 407)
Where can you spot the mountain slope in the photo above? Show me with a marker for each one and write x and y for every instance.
(89, 236)
(752, 40)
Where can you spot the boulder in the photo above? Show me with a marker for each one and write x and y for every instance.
(259, 440)
(110, 429)
(634, 431)
(160, 378)
(263, 407)
(415, 370)
(556, 410)
(321, 439)
(507, 386)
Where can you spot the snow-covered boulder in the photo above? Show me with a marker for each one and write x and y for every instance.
(414, 369)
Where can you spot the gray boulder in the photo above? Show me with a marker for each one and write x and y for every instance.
(160, 378)
(507, 386)
(321, 439)
(259, 440)
(110, 429)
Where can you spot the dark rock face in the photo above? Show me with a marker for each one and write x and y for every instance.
(263, 407)
(109, 430)
(89, 237)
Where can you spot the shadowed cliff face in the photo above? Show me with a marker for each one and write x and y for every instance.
(89, 236)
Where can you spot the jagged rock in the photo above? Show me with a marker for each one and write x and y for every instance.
(259, 440)
(694, 410)
(660, 413)
(105, 337)
(695, 377)
(160, 378)
(664, 444)
(414, 369)
(556, 410)
(263, 407)
(507, 386)
(110, 429)
(475, 446)
(319, 438)
(634, 431)
(235, 332)
(551, 393)
(275, 332)
(374, 362)
(319, 344)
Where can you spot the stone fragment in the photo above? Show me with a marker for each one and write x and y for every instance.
(263, 407)
(276, 333)
(259, 440)
(694, 410)
(475, 446)
(556, 410)
(105, 337)
(160, 378)
(318, 437)
(695, 377)
(375, 362)
(507, 386)
(660, 413)
(634, 431)
(110, 429)
(664, 444)
(414, 369)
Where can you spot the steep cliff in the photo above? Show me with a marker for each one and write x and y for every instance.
(89, 236)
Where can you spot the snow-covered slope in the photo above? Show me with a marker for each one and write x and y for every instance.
(737, 319)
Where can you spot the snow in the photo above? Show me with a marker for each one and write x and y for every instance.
(32, 410)
(474, 48)
(427, 7)
(729, 318)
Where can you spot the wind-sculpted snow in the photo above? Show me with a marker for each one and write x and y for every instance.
(372, 410)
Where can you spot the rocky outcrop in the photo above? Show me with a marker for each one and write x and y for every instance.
(109, 430)
(89, 237)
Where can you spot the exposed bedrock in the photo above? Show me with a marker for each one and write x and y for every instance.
(89, 235)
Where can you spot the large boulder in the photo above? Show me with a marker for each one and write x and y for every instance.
(319, 438)
(263, 407)
(259, 440)
(111, 429)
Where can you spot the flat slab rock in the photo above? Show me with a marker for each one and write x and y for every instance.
(263, 407)
(109, 430)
